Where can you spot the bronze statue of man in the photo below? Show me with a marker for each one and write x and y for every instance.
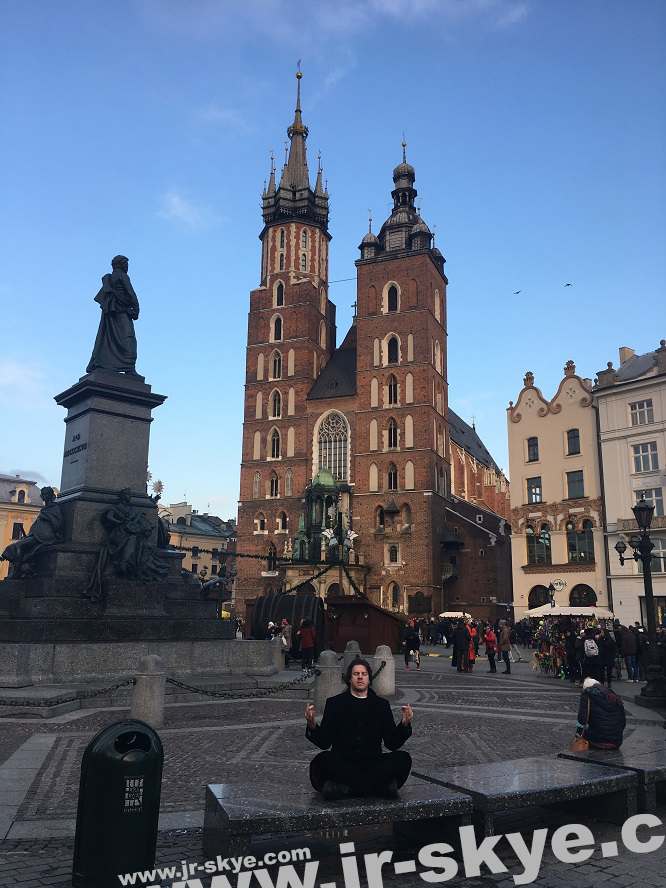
(46, 530)
(115, 345)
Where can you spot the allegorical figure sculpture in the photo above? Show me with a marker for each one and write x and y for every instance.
(127, 551)
(46, 530)
(115, 345)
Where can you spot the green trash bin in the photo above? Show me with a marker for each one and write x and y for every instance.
(119, 804)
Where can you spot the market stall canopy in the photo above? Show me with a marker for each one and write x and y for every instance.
(455, 615)
(545, 610)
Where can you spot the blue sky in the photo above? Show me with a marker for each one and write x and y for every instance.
(144, 127)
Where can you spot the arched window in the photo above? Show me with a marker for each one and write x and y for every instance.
(290, 441)
(260, 366)
(282, 238)
(281, 261)
(291, 357)
(275, 444)
(393, 350)
(276, 404)
(181, 520)
(573, 441)
(538, 546)
(582, 596)
(373, 434)
(20, 497)
(304, 262)
(256, 485)
(392, 434)
(409, 388)
(279, 294)
(392, 477)
(393, 554)
(291, 402)
(373, 477)
(272, 558)
(538, 596)
(532, 449)
(395, 596)
(277, 329)
(258, 406)
(392, 302)
(256, 449)
(322, 334)
(289, 483)
(374, 392)
(304, 238)
(406, 515)
(282, 521)
(409, 475)
(580, 544)
(333, 445)
(274, 488)
(409, 431)
(379, 517)
(392, 386)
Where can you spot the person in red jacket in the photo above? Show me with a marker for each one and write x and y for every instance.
(306, 634)
(490, 642)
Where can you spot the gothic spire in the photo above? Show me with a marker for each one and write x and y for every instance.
(295, 174)
(319, 188)
(271, 181)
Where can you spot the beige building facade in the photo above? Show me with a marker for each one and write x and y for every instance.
(631, 401)
(556, 497)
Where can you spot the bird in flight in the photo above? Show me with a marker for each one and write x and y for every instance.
(567, 285)
(517, 292)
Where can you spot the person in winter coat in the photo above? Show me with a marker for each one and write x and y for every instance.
(354, 726)
(286, 632)
(490, 642)
(306, 634)
(579, 656)
(592, 665)
(412, 643)
(505, 646)
(607, 651)
(570, 654)
(473, 646)
(628, 649)
(513, 641)
(461, 640)
(603, 727)
(642, 652)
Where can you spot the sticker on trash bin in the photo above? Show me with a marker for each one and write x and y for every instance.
(133, 795)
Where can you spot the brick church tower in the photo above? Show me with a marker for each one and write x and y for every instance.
(291, 335)
(345, 475)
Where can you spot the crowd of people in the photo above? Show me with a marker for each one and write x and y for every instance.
(464, 636)
(576, 651)
(295, 645)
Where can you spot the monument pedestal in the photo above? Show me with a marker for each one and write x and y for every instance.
(48, 630)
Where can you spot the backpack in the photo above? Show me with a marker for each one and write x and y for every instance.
(591, 648)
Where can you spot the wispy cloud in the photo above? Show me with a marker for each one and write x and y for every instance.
(287, 22)
(24, 387)
(236, 121)
(181, 210)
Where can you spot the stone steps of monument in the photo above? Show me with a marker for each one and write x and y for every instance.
(118, 627)
(122, 697)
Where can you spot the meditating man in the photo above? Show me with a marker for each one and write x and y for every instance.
(354, 725)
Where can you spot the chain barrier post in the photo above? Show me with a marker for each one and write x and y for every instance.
(352, 652)
(149, 691)
(383, 683)
(328, 681)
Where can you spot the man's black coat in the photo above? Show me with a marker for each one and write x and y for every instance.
(356, 728)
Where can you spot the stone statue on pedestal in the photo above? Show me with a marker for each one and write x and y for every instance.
(115, 345)
(46, 530)
(127, 552)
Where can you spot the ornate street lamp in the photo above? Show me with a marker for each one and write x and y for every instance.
(654, 692)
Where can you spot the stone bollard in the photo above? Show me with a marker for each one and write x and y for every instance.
(384, 684)
(352, 652)
(149, 691)
(328, 681)
(277, 649)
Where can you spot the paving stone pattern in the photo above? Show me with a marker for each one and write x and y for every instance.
(459, 719)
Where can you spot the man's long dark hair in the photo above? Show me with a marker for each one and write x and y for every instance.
(350, 668)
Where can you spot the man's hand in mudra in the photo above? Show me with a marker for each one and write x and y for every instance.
(310, 716)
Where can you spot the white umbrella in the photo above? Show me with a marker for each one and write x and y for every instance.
(455, 615)
(545, 610)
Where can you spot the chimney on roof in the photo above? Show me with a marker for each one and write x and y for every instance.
(661, 357)
(625, 354)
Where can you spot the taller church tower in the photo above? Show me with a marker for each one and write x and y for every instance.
(291, 336)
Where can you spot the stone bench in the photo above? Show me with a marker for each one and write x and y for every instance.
(649, 766)
(523, 783)
(236, 812)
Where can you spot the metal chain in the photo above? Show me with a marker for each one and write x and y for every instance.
(79, 695)
(236, 695)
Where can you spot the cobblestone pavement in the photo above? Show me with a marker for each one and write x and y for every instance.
(459, 719)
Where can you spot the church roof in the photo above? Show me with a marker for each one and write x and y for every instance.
(338, 378)
(465, 436)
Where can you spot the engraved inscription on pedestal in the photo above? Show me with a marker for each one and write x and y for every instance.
(75, 456)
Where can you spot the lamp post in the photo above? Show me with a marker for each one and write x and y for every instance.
(551, 593)
(654, 692)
